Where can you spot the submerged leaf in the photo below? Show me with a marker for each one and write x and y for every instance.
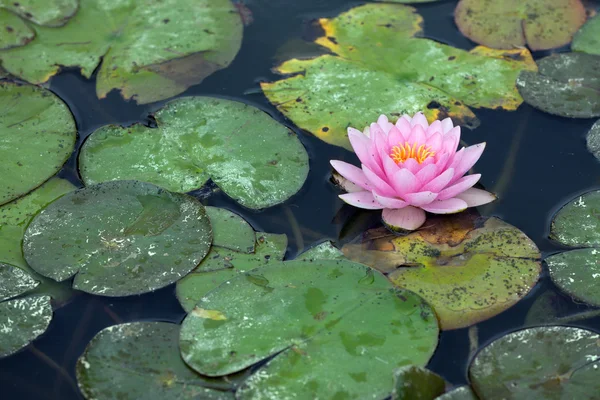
(507, 24)
(140, 360)
(567, 84)
(468, 269)
(332, 335)
(416, 383)
(587, 38)
(149, 50)
(118, 238)
(37, 132)
(250, 156)
(539, 363)
(381, 68)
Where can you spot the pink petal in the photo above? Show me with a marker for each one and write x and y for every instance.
(419, 119)
(395, 137)
(412, 165)
(389, 202)
(379, 138)
(361, 200)
(469, 158)
(451, 140)
(435, 141)
(355, 131)
(408, 218)
(438, 183)
(442, 162)
(459, 186)
(378, 182)
(476, 197)
(383, 122)
(417, 135)
(361, 145)
(389, 166)
(383, 119)
(403, 125)
(448, 206)
(404, 182)
(426, 174)
(435, 127)
(420, 199)
(352, 173)
(447, 125)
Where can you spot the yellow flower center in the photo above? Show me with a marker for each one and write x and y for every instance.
(401, 153)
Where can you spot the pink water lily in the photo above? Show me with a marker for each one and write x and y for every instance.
(411, 167)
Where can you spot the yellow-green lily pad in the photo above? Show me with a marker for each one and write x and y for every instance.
(469, 269)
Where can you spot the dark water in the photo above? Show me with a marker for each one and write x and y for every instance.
(534, 161)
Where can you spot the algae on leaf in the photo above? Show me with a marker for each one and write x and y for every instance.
(37, 132)
(380, 67)
(149, 50)
(251, 157)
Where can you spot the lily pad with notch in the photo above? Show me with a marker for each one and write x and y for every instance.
(336, 328)
(251, 157)
(468, 268)
(118, 238)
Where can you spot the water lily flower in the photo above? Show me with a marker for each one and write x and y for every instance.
(411, 167)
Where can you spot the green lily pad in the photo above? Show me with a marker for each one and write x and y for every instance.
(140, 360)
(22, 319)
(322, 251)
(593, 140)
(577, 224)
(51, 13)
(15, 216)
(230, 230)
(250, 156)
(379, 67)
(468, 269)
(221, 265)
(15, 31)
(539, 24)
(460, 393)
(149, 50)
(118, 238)
(337, 328)
(567, 84)
(587, 39)
(416, 383)
(539, 363)
(37, 132)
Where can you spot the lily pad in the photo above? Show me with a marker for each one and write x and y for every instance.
(37, 132)
(140, 360)
(250, 156)
(118, 238)
(230, 230)
(15, 31)
(469, 269)
(539, 363)
(539, 24)
(587, 38)
(577, 224)
(221, 265)
(416, 383)
(337, 330)
(149, 50)
(593, 140)
(51, 13)
(322, 251)
(15, 216)
(22, 319)
(567, 84)
(460, 393)
(381, 68)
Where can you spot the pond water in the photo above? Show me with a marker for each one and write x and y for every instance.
(534, 161)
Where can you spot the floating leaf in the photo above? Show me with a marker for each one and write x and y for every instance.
(322, 251)
(21, 319)
(37, 133)
(468, 269)
(380, 68)
(149, 50)
(567, 84)
(15, 31)
(593, 140)
(221, 265)
(254, 159)
(577, 224)
(416, 383)
(118, 238)
(540, 24)
(15, 216)
(49, 13)
(460, 393)
(230, 230)
(546, 309)
(141, 360)
(539, 363)
(587, 38)
(339, 334)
